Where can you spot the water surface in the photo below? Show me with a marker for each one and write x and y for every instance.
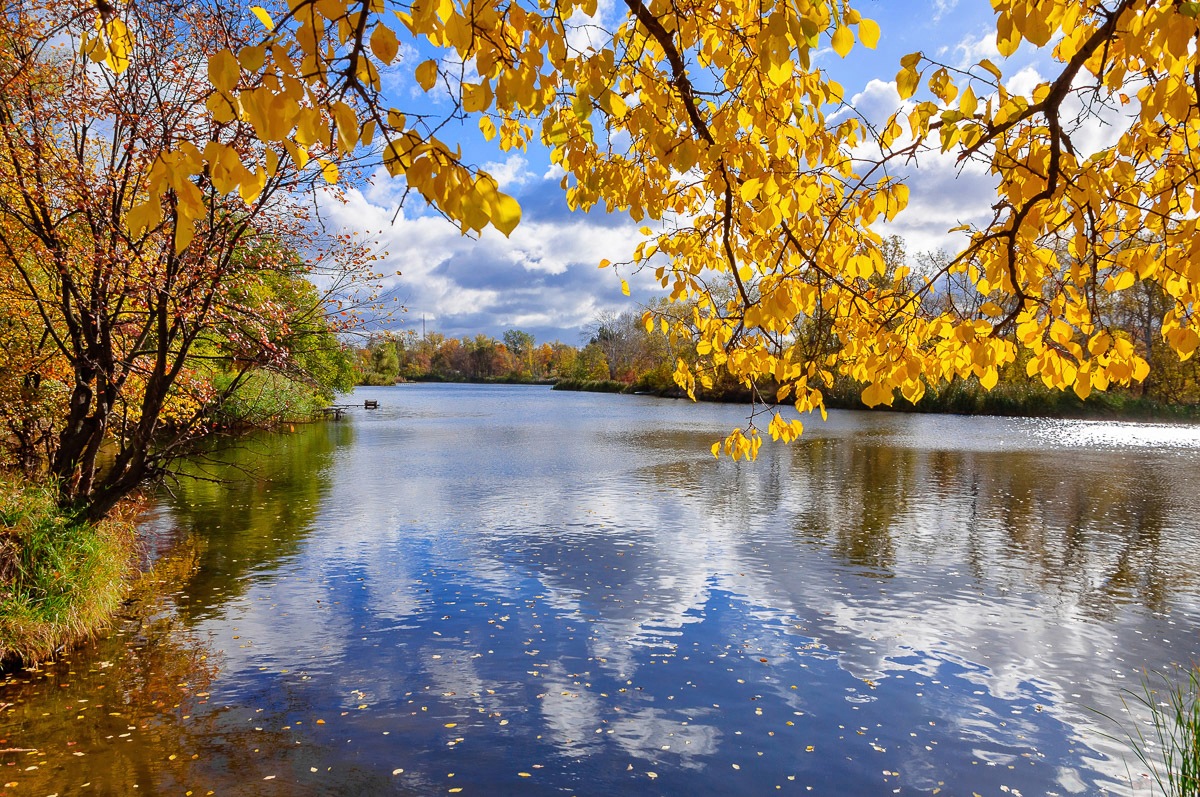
(508, 590)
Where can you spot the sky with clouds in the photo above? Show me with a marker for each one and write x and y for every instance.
(544, 278)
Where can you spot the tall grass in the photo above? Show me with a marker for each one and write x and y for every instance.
(61, 578)
(1169, 747)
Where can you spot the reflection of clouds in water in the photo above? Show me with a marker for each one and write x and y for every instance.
(893, 549)
(573, 714)
(651, 734)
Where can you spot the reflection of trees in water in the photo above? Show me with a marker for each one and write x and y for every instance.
(106, 714)
(1092, 530)
(253, 501)
(854, 495)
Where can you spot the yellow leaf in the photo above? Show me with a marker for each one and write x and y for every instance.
(426, 74)
(263, 17)
(907, 80)
(329, 170)
(616, 105)
(968, 103)
(842, 41)
(143, 217)
(624, 287)
(224, 70)
(989, 379)
(990, 67)
(1083, 385)
(185, 229)
(868, 33)
(476, 97)
(120, 45)
(506, 213)
(384, 43)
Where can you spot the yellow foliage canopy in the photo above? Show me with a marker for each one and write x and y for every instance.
(762, 209)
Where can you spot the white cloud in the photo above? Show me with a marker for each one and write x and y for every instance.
(876, 102)
(972, 49)
(543, 278)
(510, 172)
(942, 7)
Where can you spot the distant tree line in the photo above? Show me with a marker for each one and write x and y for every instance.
(630, 351)
(617, 349)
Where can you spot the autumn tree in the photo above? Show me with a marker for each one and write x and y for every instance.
(138, 277)
(710, 121)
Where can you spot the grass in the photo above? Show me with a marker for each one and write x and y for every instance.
(1169, 745)
(61, 578)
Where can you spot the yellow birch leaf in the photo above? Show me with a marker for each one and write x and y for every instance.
(990, 67)
(384, 43)
(506, 213)
(329, 170)
(426, 74)
(868, 33)
(120, 45)
(143, 217)
(223, 70)
(263, 17)
(1083, 385)
(906, 82)
(476, 97)
(968, 103)
(185, 229)
(624, 287)
(843, 41)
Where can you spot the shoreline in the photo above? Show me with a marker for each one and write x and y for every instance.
(963, 402)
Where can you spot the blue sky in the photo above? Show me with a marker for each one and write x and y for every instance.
(544, 279)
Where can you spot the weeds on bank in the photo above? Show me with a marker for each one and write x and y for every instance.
(1168, 742)
(61, 579)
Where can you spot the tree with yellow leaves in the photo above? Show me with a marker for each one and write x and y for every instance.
(710, 121)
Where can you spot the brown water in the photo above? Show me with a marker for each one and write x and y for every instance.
(505, 590)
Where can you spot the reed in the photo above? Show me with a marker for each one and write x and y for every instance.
(61, 579)
(1168, 742)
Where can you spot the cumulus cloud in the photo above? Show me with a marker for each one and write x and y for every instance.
(972, 49)
(543, 279)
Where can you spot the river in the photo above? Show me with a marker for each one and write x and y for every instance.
(496, 590)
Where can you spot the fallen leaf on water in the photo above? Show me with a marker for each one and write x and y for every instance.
(397, 771)
(524, 775)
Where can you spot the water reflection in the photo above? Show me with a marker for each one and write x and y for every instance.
(512, 591)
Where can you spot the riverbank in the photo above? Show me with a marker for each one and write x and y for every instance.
(963, 397)
(62, 579)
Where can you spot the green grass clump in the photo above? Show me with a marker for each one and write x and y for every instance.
(1169, 747)
(61, 578)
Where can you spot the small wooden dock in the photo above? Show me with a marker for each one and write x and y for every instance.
(336, 411)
